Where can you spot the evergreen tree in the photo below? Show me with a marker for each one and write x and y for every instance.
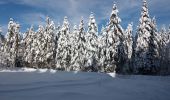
(63, 57)
(2, 40)
(12, 44)
(49, 36)
(128, 47)
(80, 47)
(28, 48)
(153, 51)
(57, 35)
(114, 53)
(165, 51)
(74, 49)
(39, 46)
(146, 50)
(91, 44)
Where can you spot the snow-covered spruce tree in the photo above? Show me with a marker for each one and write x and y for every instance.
(153, 53)
(78, 47)
(29, 52)
(12, 44)
(63, 56)
(146, 50)
(81, 45)
(91, 45)
(2, 40)
(128, 47)
(49, 36)
(57, 35)
(168, 52)
(74, 49)
(39, 47)
(114, 50)
(165, 50)
(163, 43)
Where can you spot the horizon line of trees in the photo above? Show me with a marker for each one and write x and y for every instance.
(57, 47)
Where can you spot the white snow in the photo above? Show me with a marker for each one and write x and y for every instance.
(52, 71)
(42, 70)
(19, 70)
(27, 85)
(112, 74)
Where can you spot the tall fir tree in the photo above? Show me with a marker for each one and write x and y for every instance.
(128, 48)
(2, 56)
(12, 44)
(102, 49)
(113, 51)
(28, 47)
(91, 44)
(50, 39)
(74, 49)
(146, 51)
(63, 57)
(165, 51)
(39, 45)
(81, 45)
(2, 38)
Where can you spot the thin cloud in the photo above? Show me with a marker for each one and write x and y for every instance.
(129, 10)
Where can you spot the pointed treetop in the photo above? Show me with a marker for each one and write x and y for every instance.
(163, 29)
(65, 22)
(81, 20)
(130, 27)
(81, 25)
(31, 30)
(145, 21)
(40, 28)
(48, 20)
(114, 19)
(11, 19)
(92, 18)
(92, 26)
(145, 2)
(75, 27)
(145, 12)
(114, 6)
(65, 18)
(91, 15)
(52, 23)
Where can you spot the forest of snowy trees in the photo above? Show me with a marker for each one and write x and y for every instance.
(76, 49)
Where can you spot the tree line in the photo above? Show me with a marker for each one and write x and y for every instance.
(116, 49)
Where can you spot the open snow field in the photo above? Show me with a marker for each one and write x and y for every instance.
(51, 85)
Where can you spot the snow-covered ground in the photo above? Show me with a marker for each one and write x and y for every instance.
(43, 84)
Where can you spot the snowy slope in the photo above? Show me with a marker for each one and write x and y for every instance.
(50, 85)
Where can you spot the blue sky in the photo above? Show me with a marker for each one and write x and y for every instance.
(34, 12)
